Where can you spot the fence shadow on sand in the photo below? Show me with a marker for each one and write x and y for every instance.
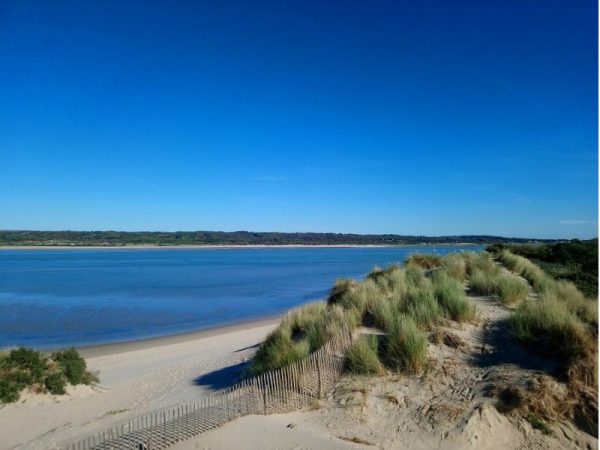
(279, 391)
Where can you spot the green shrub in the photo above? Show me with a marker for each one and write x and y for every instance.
(55, 383)
(24, 367)
(32, 361)
(72, 365)
(405, 346)
(9, 391)
(538, 423)
(362, 357)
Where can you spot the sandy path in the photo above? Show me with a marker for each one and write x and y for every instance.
(133, 382)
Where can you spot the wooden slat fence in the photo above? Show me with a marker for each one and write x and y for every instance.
(283, 390)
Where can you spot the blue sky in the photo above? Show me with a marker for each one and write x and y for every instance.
(433, 118)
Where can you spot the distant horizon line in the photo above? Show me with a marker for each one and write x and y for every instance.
(331, 233)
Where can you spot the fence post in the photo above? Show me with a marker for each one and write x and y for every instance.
(320, 392)
(264, 389)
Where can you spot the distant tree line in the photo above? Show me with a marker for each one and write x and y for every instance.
(123, 238)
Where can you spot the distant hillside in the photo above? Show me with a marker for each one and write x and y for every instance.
(122, 238)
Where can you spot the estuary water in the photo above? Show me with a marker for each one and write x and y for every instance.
(56, 298)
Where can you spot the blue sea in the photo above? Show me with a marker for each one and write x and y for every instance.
(56, 298)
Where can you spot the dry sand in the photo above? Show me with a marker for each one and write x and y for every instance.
(135, 378)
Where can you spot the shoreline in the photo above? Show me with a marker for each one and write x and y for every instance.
(224, 247)
(114, 348)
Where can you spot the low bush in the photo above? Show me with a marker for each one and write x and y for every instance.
(55, 383)
(9, 391)
(73, 366)
(24, 367)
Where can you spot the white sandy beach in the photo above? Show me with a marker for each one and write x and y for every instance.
(135, 378)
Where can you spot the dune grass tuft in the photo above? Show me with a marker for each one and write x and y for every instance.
(549, 326)
(405, 346)
(424, 260)
(455, 266)
(509, 288)
(302, 331)
(451, 298)
(362, 357)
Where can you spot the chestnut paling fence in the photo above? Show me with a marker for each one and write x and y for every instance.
(282, 390)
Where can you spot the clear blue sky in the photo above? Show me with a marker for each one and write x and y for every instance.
(435, 118)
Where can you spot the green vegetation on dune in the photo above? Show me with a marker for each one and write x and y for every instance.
(550, 289)
(509, 289)
(26, 368)
(405, 303)
(562, 323)
(362, 356)
(575, 261)
(302, 331)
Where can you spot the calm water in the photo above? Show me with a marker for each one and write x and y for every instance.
(52, 298)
